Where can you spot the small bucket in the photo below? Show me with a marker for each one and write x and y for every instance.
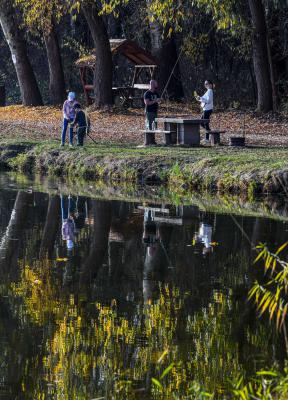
(237, 141)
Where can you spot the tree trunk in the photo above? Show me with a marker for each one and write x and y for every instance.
(103, 75)
(164, 50)
(260, 56)
(155, 31)
(56, 75)
(15, 38)
(272, 76)
(102, 214)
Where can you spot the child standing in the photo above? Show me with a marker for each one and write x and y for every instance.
(207, 106)
(82, 122)
(68, 224)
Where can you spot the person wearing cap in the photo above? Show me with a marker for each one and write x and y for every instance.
(151, 100)
(68, 117)
(82, 122)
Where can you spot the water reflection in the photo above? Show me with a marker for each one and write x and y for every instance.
(91, 319)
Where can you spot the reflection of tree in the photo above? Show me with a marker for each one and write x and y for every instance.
(11, 242)
(95, 347)
(99, 243)
(51, 226)
(97, 344)
(156, 261)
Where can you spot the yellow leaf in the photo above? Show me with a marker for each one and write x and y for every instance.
(165, 352)
(281, 248)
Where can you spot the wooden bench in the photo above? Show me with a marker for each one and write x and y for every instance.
(149, 136)
(214, 137)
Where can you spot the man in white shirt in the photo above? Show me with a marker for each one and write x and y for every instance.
(207, 106)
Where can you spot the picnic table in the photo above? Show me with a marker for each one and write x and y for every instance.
(185, 130)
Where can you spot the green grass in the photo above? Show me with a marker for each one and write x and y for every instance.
(246, 158)
(228, 168)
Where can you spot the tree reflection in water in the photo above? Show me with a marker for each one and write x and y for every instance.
(134, 290)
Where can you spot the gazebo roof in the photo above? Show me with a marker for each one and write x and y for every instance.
(130, 49)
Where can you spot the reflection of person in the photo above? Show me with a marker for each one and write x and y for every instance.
(68, 224)
(151, 100)
(81, 213)
(151, 239)
(205, 236)
(207, 106)
(68, 117)
(150, 232)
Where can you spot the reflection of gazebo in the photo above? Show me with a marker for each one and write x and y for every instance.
(144, 69)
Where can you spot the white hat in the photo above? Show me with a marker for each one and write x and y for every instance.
(70, 244)
(71, 96)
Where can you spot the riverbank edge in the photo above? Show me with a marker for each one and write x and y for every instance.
(272, 207)
(179, 173)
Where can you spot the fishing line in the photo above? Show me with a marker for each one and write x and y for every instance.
(172, 72)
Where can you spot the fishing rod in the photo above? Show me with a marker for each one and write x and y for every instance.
(93, 140)
(172, 72)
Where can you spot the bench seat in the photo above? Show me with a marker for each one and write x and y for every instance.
(214, 137)
(149, 136)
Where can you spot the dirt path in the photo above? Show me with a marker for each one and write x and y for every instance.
(42, 123)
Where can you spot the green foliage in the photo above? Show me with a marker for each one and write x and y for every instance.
(170, 13)
(226, 13)
(194, 46)
(194, 391)
(39, 16)
(266, 385)
(271, 297)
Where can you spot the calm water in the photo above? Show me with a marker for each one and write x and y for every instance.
(93, 292)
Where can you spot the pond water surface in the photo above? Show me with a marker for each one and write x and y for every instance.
(98, 297)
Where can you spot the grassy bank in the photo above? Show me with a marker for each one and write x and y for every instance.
(237, 170)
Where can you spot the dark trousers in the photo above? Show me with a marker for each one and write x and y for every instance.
(150, 118)
(80, 136)
(67, 206)
(206, 115)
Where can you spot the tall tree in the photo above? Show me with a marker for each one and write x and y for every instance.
(103, 74)
(263, 67)
(56, 74)
(15, 38)
(41, 18)
(230, 15)
(164, 49)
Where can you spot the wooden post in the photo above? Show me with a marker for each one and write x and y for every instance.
(168, 126)
(214, 138)
(167, 138)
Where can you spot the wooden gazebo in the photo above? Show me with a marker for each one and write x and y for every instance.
(144, 69)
